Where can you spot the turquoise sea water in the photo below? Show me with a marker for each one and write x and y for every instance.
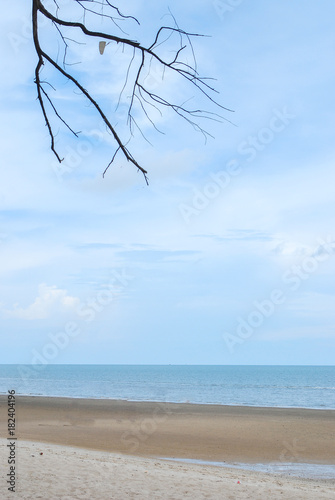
(272, 386)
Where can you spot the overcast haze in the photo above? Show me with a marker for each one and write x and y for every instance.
(227, 257)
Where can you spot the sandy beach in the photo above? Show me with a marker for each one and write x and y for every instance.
(114, 449)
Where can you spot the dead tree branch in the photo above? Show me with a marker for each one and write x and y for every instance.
(142, 56)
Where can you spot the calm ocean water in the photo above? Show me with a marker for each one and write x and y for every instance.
(281, 386)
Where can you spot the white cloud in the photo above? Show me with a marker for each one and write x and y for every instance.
(49, 302)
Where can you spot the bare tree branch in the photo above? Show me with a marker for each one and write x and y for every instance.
(142, 56)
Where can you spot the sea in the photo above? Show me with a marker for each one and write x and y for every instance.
(269, 386)
(262, 386)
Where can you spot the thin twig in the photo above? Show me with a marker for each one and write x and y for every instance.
(139, 94)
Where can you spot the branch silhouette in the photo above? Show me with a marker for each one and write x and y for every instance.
(140, 93)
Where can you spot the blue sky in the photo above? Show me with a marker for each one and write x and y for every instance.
(228, 256)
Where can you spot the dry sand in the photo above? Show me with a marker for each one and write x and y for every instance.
(95, 443)
(72, 473)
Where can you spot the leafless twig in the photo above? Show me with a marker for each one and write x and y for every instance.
(140, 93)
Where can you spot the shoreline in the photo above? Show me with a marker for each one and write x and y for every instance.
(205, 432)
(151, 401)
(306, 470)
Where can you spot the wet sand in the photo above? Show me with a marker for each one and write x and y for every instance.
(207, 432)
